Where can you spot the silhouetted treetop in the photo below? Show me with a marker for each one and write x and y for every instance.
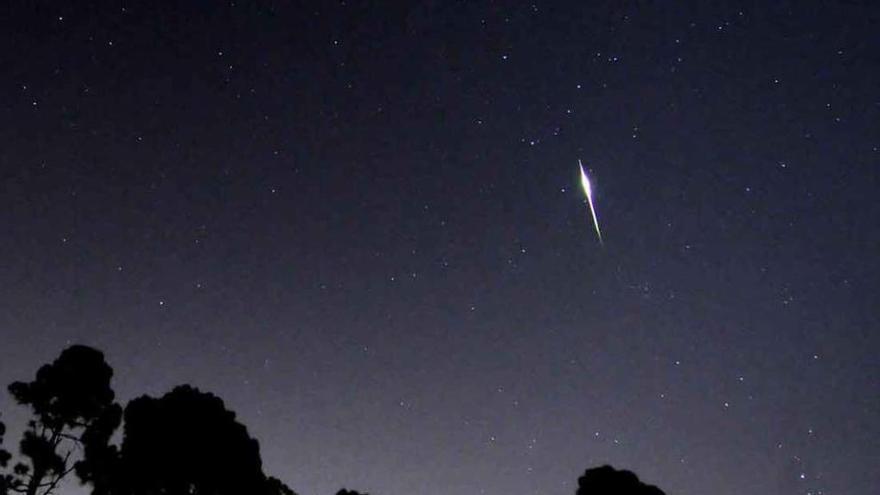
(73, 413)
(184, 443)
(605, 480)
(187, 442)
(71, 391)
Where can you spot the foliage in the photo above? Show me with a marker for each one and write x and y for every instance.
(187, 442)
(72, 406)
(4, 461)
(605, 480)
(276, 487)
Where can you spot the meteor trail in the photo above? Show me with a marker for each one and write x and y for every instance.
(585, 183)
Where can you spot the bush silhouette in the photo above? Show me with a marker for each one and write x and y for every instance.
(605, 480)
(350, 492)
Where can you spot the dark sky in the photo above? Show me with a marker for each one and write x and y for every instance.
(360, 223)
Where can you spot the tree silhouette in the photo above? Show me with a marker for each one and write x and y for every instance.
(186, 442)
(605, 480)
(4, 461)
(73, 407)
(276, 487)
(100, 458)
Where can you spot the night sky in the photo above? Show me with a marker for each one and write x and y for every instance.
(361, 224)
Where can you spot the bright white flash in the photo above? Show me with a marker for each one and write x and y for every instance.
(588, 190)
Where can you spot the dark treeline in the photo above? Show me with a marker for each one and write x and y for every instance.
(185, 442)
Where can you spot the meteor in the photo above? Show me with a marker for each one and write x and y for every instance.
(585, 183)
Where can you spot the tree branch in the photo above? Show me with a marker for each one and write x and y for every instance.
(51, 486)
(72, 438)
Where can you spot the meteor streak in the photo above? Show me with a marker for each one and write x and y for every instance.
(585, 183)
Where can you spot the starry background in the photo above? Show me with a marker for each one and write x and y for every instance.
(360, 224)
